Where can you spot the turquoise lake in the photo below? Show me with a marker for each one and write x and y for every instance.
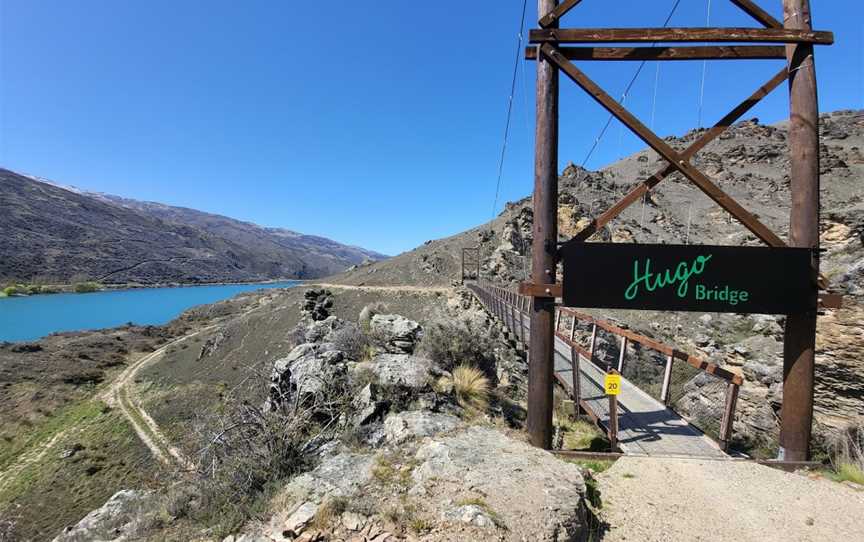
(29, 318)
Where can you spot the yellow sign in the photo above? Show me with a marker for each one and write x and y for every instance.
(612, 383)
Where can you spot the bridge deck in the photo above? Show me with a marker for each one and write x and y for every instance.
(645, 425)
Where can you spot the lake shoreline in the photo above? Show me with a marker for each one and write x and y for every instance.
(32, 317)
(53, 289)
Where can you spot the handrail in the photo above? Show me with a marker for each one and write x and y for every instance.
(506, 303)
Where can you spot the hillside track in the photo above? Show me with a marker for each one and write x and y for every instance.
(392, 289)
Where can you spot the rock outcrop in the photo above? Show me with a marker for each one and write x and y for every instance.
(399, 334)
(116, 520)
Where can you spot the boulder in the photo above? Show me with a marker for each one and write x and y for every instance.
(322, 330)
(531, 494)
(317, 304)
(301, 517)
(340, 475)
(404, 426)
(307, 369)
(400, 370)
(400, 334)
(368, 405)
(115, 520)
(471, 514)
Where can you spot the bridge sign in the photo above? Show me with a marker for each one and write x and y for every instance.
(612, 383)
(701, 278)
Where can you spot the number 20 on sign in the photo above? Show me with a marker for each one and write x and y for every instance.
(612, 383)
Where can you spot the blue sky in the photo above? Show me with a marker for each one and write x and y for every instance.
(374, 123)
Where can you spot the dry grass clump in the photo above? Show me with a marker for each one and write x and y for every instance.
(328, 513)
(847, 455)
(470, 386)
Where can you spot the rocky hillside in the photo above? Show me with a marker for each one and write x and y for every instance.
(56, 235)
(750, 162)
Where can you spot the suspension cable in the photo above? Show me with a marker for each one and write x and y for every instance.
(704, 70)
(627, 90)
(509, 107)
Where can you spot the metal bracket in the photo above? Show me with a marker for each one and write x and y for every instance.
(549, 291)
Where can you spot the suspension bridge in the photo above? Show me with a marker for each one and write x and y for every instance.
(657, 380)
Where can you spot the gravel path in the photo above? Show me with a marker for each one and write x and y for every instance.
(666, 499)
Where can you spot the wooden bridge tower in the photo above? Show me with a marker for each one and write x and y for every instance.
(792, 41)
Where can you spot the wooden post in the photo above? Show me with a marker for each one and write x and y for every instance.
(799, 340)
(577, 377)
(621, 355)
(667, 378)
(544, 247)
(613, 422)
(728, 415)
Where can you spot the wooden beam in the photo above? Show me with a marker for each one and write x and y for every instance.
(708, 52)
(552, 17)
(540, 290)
(541, 352)
(703, 140)
(693, 34)
(751, 9)
(671, 155)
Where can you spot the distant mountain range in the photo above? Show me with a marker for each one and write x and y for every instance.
(57, 234)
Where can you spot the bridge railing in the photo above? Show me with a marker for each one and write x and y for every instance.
(702, 392)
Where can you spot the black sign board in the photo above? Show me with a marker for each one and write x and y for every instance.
(689, 278)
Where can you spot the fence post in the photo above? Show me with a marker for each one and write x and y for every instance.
(593, 342)
(621, 355)
(667, 378)
(613, 419)
(516, 329)
(728, 415)
(572, 327)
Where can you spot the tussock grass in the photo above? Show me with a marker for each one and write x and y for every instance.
(329, 512)
(847, 455)
(471, 387)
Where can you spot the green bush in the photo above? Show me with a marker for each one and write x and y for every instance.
(16, 289)
(87, 287)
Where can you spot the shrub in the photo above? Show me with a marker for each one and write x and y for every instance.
(471, 387)
(243, 453)
(16, 289)
(451, 344)
(351, 340)
(86, 287)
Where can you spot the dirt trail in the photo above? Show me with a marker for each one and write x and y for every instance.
(118, 395)
(658, 499)
(34, 455)
(394, 289)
